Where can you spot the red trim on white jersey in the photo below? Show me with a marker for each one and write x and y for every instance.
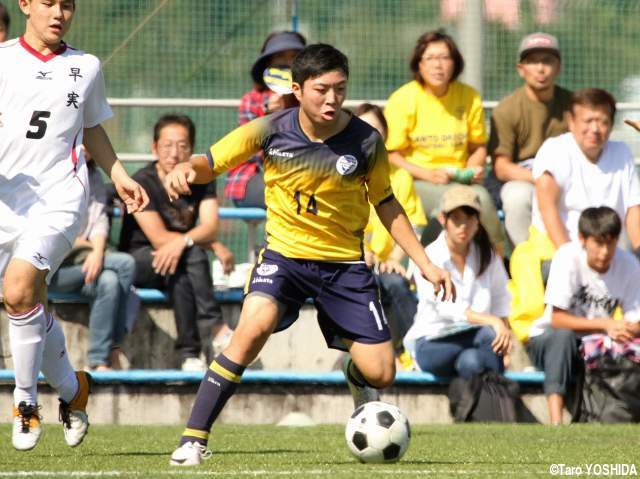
(40, 56)
(74, 155)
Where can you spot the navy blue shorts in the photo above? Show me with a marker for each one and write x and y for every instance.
(345, 295)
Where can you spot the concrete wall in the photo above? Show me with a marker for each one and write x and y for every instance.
(151, 343)
(253, 404)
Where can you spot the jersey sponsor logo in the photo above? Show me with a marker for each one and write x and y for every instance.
(267, 269)
(262, 280)
(346, 164)
(277, 152)
(43, 76)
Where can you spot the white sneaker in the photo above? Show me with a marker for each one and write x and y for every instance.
(73, 415)
(194, 365)
(27, 428)
(189, 454)
(221, 341)
(361, 394)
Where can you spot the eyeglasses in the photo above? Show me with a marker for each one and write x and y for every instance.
(436, 58)
(167, 147)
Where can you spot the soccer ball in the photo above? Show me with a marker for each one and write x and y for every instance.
(378, 432)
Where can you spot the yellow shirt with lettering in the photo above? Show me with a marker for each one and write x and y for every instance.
(317, 193)
(435, 132)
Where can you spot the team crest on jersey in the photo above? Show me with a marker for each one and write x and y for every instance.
(346, 164)
(267, 269)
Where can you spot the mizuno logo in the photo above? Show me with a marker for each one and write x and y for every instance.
(43, 76)
(39, 258)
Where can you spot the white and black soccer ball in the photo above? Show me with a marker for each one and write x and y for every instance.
(378, 432)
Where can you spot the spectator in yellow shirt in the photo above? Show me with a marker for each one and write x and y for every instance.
(437, 128)
(381, 251)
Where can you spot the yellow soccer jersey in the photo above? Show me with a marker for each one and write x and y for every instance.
(434, 132)
(317, 193)
(379, 241)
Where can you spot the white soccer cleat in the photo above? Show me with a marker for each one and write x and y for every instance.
(361, 394)
(73, 415)
(27, 428)
(189, 454)
(194, 365)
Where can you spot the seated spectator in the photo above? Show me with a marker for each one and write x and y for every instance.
(520, 124)
(383, 254)
(169, 245)
(5, 23)
(589, 280)
(574, 171)
(437, 129)
(104, 276)
(245, 183)
(468, 336)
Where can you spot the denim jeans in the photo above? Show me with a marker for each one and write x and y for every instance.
(108, 301)
(463, 354)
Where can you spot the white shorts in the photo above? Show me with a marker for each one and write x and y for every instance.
(42, 234)
(44, 252)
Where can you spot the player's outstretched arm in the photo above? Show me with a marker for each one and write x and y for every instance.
(395, 220)
(634, 123)
(195, 171)
(98, 144)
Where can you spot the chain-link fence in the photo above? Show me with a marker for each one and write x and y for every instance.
(205, 48)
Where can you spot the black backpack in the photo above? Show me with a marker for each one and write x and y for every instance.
(487, 397)
(610, 392)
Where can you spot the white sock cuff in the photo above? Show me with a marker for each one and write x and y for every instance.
(37, 309)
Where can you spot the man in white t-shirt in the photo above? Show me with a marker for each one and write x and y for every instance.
(52, 100)
(572, 172)
(589, 280)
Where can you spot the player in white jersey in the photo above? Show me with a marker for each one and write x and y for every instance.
(52, 101)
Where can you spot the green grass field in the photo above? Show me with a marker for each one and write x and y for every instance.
(269, 451)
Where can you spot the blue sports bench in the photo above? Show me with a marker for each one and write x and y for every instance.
(253, 216)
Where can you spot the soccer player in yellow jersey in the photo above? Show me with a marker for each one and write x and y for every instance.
(323, 166)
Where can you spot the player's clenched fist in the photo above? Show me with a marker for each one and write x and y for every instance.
(178, 180)
(440, 279)
(132, 194)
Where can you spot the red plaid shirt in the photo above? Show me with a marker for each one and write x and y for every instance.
(252, 105)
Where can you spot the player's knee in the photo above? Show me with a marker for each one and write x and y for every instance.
(383, 377)
(19, 296)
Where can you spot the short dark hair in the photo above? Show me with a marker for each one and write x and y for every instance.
(600, 223)
(594, 97)
(175, 119)
(422, 44)
(5, 19)
(377, 111)
(315, 60)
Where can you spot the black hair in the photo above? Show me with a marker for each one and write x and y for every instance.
(422, 44)
(600, 223)
(377, 112)
(594, 98)
(175, 119)
(315, 60)
(5, 19)
(481, 240)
